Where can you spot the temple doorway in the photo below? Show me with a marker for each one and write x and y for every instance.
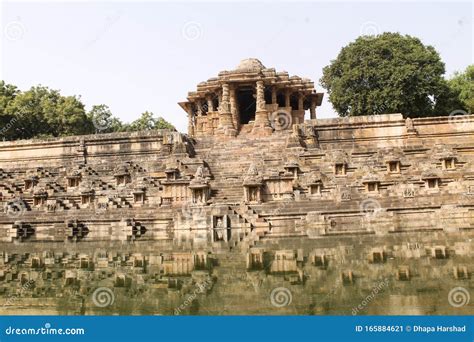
(247, 105)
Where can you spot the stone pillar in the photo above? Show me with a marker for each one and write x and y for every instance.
(210, 104)
(312, 109)
(287, 98)
(191, 122)
(226, 126)
(233, 107)
(262, 122)
(199, 107)
(300, 116)
(274, 95)
(260, 96)
(300, 102)
(219, 99)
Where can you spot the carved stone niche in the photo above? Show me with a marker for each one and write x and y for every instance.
(432, 182)
(284, 261)
(40, 197)
(470, 190)
(84, 261)
(439, 252)
(340, 161)
(403, 273)
(87, 198)
(101, 259)
(432, 179)
(253, 183)
(201, 261)
(377, 256)
(292, 167)
(255, 259)
(122, 176)
(30, 182)
(35, 261)
(278, 187)
(76, 230)
(20, 231)
(340, 168)
(139, 195)
(172, 173)
(70, 277)
(137, 260)
(252, 192)
(199, 186)
(393, 166)
(448, 162)
(371, 184)
(221, 229)
(314, 184)
(178, 264)
(200, 192)
(347, 277)
(319, 260)
(122, 280)
(461, 272)
(73, 180)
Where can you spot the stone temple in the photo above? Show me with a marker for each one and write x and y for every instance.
(260, 209)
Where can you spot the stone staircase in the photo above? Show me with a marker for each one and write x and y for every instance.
(119, 202)
(255, 226)
(56, 187)
(11, 189)
(229, 161)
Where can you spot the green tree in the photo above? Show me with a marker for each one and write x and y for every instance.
(146, 122)
(42, 112)
(7, 120)
(388, 73)
(462, 83)
(103, 120)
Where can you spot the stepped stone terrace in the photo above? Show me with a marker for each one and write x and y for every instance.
(242, 216)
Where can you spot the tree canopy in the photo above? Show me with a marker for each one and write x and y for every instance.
(43, 112)
(389, 73)
(462, 83)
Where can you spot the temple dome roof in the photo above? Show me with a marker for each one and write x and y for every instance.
(250, 64)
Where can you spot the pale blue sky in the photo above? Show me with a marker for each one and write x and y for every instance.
(147, 56)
